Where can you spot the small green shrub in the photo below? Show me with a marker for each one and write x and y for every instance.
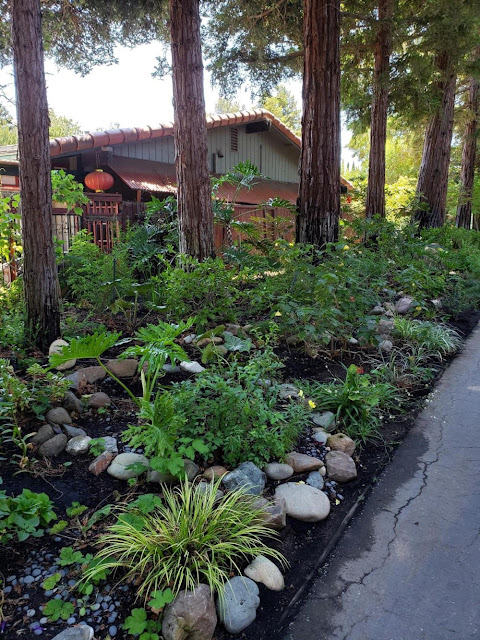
(356, 401)
(190, 538)
(436, 339)
(24, 515)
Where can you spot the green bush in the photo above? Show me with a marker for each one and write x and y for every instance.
(24, 515)
(191, 538)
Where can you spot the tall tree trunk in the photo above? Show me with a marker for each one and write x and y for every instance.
(433, 177)
(467, 174)
(40, 281)
(319, 194)
(375, 203)
(195, 216)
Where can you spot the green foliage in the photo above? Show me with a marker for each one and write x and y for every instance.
(435, 339)
(233, 412)
(68, 191)
(190, 538)
(56, 609)
(284, 106)
(96, 446)
(356, 401)
(68, 557)
(51, 582)
(58, 527)
(75, 509)
(24, 515)
(138, 625)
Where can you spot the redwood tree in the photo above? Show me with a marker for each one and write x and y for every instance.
(40, 281)
(467, 173)
(375, 202)
(195, 216)
(433, 177)
(319, 195)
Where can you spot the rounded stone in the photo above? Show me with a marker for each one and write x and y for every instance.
(304, 502)
(81, 632)
(71, 403)
(45, 433)
(325, 420)
(341, 442)
(247, 477)
(214, 472)
(191, 616)
(54, 446)
(93, 374)
(301, 463)
(118, 467)
(277, 471)
(57, 347)
(78, 445)
(123, 368)
(320, 436)
(191, 367)
(238, 607)
(340, 466)
(404, 305)
(58, 415)
(98, 400)
(315, 480)
(263, 570)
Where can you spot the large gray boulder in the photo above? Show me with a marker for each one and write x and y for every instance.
(340, 466)
(237, 609)
(53, 447)
(58, 415)
(191, 616)
(119, 466)
(57, 347)
(247, 477)
(301, 463)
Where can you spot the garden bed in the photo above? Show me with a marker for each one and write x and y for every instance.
(302, 543)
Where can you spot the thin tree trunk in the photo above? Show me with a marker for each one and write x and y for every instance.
(40, 281)
(467, 174)
(319, 194)
(195, 216)
(375, 202)
(433, 177)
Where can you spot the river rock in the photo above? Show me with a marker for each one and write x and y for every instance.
(123, 368)
(43, 434)
(384, 328)
(288, 392)
(71, 403)
(386, 346)
(301, 463)
(78, 445)
(377, 310)
(191, 472)
(315, 479)
(78, 381)
(320, 436)
(277, 471)
(325, 420)
(247, 477)
(71, 432)
(191, 367)
(214, 472)
(54, 446)
(404, 305)
(304, 502)
(101, 463)
(205, 487)
(58, 415)
(82, 632)
(273, 514)
(118, 468)
(110, 444)
(340, 466)
(98, 400)
(191, 616)
(57, 347)
(238, 607)
(93, 374)
(263, 570)
(341, 442)
(204, 341)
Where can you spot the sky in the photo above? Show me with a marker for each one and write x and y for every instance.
(126, 94)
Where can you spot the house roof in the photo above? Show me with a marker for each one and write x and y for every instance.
(160, 177)
(72, 144)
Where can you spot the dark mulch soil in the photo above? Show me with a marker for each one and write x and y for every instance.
(302, 543)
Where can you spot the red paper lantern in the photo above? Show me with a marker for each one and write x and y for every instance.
(99, 181)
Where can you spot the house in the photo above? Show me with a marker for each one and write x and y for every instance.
(142, 163)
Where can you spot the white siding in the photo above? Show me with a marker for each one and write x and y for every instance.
(276, 157)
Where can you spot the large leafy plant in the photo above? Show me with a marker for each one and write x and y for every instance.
(191, 537)
(24, 515)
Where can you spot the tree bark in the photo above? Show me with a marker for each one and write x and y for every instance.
(319, 194)
(375, 201)
(195, 216)
(433, 177)
(467, 173)
(40, 280)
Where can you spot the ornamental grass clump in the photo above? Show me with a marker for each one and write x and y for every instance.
(436, 339)
(191, 537)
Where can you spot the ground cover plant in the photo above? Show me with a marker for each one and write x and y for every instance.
(279, 336)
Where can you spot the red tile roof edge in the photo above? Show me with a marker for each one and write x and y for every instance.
(71, 144)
